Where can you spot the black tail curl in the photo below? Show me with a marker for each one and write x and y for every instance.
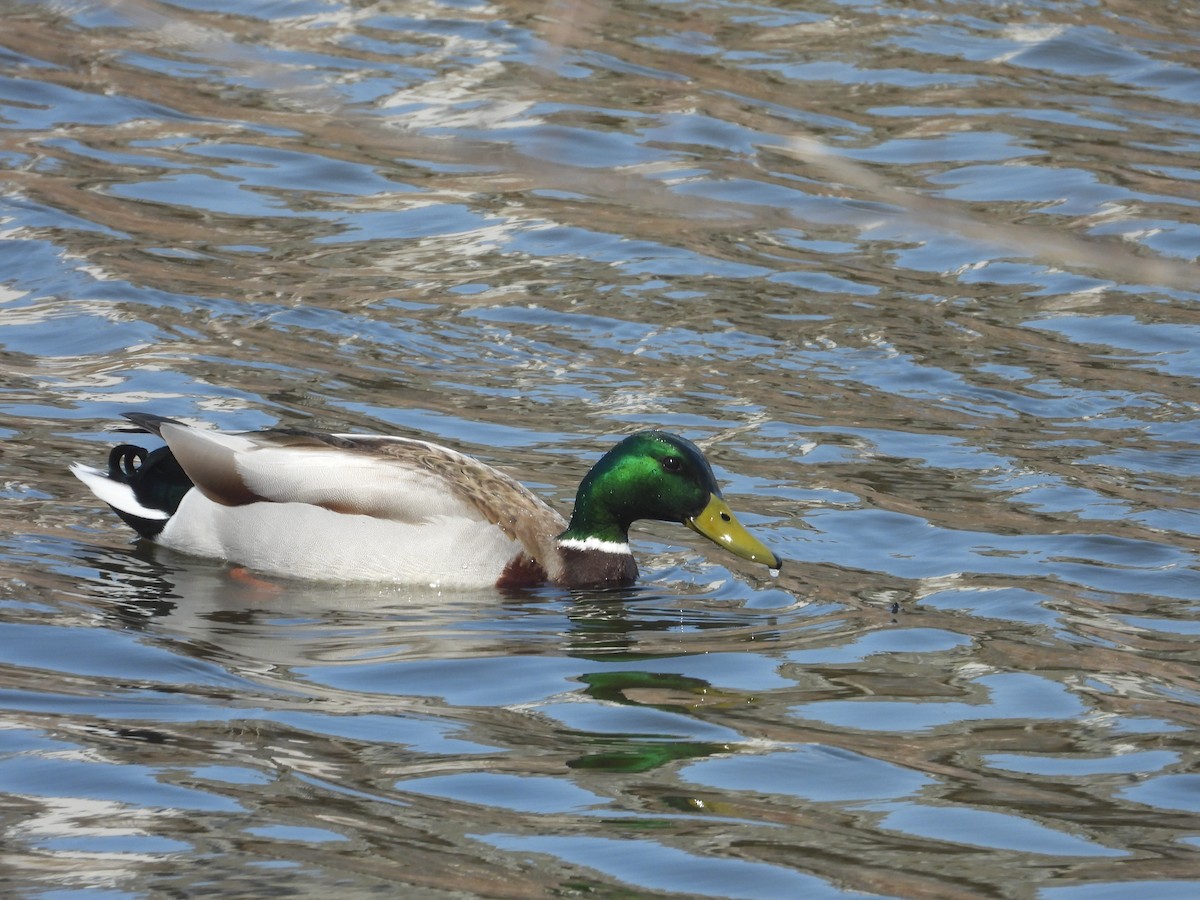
(157, 481)
(124, 461)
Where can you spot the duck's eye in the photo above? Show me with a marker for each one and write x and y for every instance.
(672, 463)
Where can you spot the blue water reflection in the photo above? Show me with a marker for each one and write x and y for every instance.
(919, 277)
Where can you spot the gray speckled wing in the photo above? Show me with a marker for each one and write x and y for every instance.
(498, 497)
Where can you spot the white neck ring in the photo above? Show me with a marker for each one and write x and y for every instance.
(594, 543)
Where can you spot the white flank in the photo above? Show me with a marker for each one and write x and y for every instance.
(302, 541)
(114, 493)
(594, 543)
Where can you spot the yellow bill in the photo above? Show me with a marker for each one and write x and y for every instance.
(718, 523)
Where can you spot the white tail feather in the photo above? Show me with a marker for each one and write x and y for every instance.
(114, 493)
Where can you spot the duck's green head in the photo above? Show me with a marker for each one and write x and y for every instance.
(656, 475)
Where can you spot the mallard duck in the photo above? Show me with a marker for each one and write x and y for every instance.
(350, 507)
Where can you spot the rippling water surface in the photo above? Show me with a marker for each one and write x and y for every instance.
(919, 276)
